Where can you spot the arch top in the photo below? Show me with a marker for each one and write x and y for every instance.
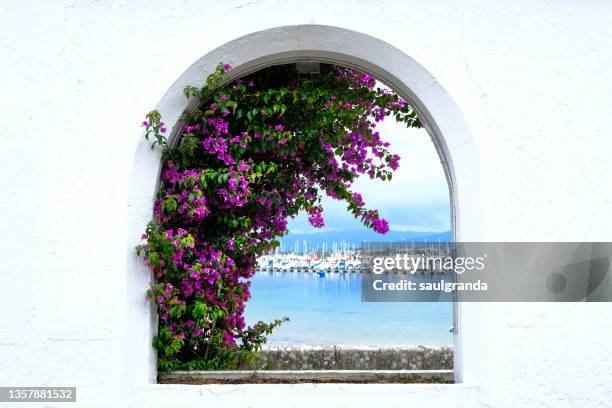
(441, 116)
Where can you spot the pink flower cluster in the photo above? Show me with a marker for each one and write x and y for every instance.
(183, 196)
(315, 218)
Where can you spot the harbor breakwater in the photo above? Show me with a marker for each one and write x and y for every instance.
(355, 358)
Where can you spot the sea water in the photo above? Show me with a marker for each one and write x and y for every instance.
(328, 311)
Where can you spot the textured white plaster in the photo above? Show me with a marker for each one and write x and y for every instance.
(517, 94)
(309, 395)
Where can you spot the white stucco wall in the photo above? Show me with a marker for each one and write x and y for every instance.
(529, 143)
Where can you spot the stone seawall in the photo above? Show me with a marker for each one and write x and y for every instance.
(355, 358)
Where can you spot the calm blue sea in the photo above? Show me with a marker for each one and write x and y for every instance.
(328, 310)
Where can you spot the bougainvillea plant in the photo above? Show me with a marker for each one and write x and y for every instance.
(254, 153)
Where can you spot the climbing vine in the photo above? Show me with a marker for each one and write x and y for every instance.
(254, 153)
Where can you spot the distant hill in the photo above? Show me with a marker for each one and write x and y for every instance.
(356, 237)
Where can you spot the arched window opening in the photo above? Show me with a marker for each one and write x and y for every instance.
(255, 152)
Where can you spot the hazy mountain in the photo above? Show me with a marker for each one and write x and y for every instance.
(356, 237)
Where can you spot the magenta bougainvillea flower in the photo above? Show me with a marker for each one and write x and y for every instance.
(249, 158)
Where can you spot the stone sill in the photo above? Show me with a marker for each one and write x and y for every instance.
(306, 376)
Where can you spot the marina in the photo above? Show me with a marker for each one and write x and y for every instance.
(344, 258)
